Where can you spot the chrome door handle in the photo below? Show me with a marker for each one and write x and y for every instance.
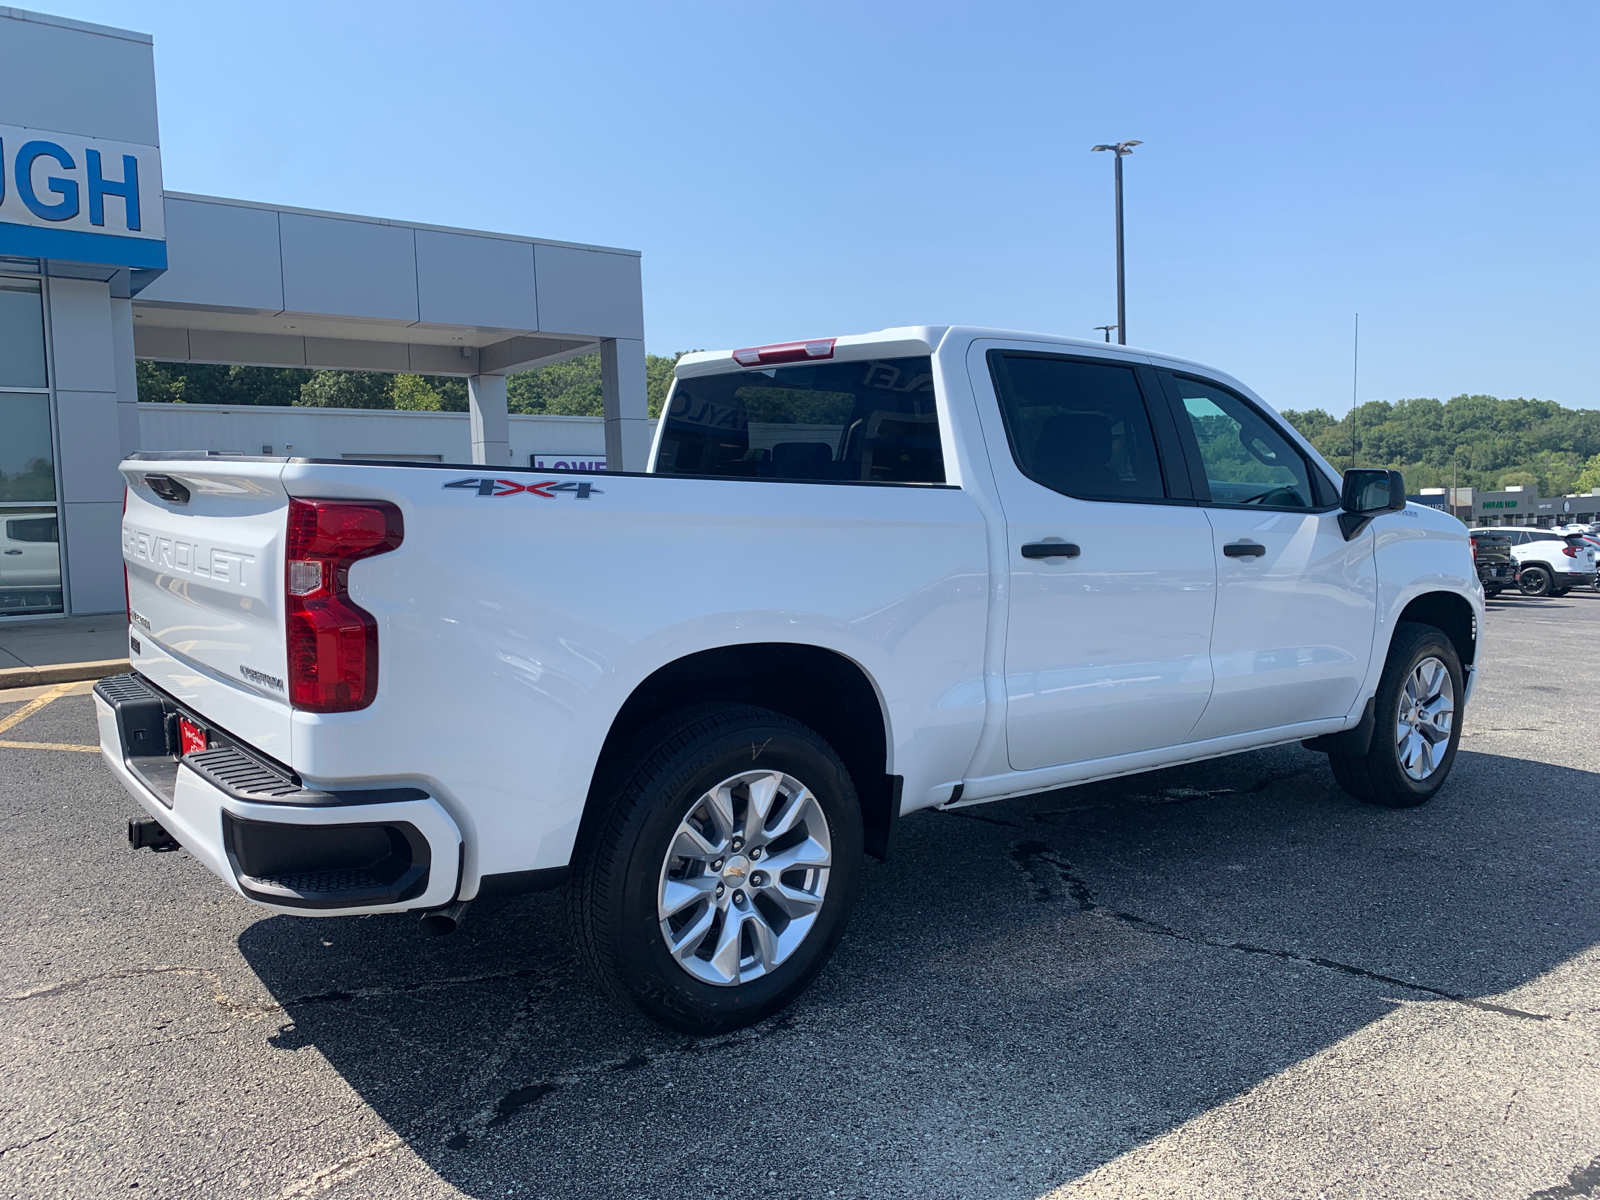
(1050, 550)
(1244, 549)
(13, 551)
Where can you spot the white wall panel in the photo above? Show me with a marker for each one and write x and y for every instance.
(482, 281)
(252, 349)
(593, 292)
(80, 335)
(348, 268)
(127, 376)
(334, 432)
(110, 91)
(220, 255)
(91, 445)
(94, 555)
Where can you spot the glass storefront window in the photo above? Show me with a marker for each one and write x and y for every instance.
(30, 525)
(27, 462)
(21, 334)
(30, 561)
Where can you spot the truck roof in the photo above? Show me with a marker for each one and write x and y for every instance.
(899, 340)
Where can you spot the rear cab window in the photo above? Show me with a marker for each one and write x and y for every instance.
(1079, 427)
(869, 421)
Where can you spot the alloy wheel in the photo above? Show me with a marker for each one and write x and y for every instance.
(744, 877)
(1427, 713)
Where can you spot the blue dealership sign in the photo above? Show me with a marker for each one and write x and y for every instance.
(80, 199)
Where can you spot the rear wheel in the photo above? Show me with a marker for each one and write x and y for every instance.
(717, 881)
(1535, 581)
(1417, 731)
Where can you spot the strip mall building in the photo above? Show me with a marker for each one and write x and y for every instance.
(99, 267)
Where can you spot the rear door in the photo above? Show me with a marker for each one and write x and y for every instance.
(1107, 645)
(1296, 602)
(203, 549)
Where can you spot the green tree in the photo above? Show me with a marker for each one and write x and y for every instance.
(1513, 479)
(1473, 440)
(572, 388)
(1589, 477)
(346, 389)
(206, 383)
(413, 393)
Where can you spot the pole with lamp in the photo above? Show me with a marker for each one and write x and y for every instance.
(1108, 329)
(1119, 150)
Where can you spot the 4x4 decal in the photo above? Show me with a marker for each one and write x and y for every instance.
(581, 489)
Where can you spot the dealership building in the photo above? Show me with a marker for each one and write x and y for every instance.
(100, 267)
(1513, 506)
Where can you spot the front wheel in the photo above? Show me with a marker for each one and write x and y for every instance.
(1535, 581)
(1416, 709)
(717, 880)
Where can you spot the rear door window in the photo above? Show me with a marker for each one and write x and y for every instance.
(1077, 427)
(872, 421)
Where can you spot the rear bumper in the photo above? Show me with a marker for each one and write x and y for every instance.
(390, 850)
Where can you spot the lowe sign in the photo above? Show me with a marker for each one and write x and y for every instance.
(80, 199)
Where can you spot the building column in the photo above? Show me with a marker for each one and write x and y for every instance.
(127, 375)
(627, 404)
(491, 426)
(84, 371)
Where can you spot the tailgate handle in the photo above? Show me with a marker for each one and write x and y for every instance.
(167, 488)
(1050, 550)
(1244, 549)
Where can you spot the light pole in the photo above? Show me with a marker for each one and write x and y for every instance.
(1119, 151)
(1108, 329)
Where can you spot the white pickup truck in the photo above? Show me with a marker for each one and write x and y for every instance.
(930, 566)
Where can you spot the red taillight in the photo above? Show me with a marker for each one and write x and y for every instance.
(333, 643)
(784, 352)
(1569, 551)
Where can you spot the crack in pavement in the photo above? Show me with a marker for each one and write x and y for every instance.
(1028, 854)
(510, 1103)
(50, 1133)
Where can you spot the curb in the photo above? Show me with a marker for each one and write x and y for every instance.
(20, 677)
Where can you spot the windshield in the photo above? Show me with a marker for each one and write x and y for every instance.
(872, 421)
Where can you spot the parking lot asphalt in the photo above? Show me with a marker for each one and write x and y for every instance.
(1224, 980)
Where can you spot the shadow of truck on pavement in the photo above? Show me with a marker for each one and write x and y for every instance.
(1028, 989)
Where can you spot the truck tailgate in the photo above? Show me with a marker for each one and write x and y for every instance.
(202, 540)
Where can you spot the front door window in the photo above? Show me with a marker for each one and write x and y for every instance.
(1247, 462)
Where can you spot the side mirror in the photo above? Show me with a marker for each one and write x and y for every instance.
(1368, 494)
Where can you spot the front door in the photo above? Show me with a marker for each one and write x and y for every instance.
(1107, 646)
(1296, 603)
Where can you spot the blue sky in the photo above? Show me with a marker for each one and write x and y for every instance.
(810, 169)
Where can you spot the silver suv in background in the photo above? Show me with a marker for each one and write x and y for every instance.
(1550, 563)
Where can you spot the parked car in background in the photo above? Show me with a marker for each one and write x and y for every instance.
(1590, 536)
(1491, 554)
(1549, 563)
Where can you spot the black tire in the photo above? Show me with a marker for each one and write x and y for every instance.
(1559, 592)
(1491, 593)
(1535, 581)
(612, 889)
(1378, 776)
